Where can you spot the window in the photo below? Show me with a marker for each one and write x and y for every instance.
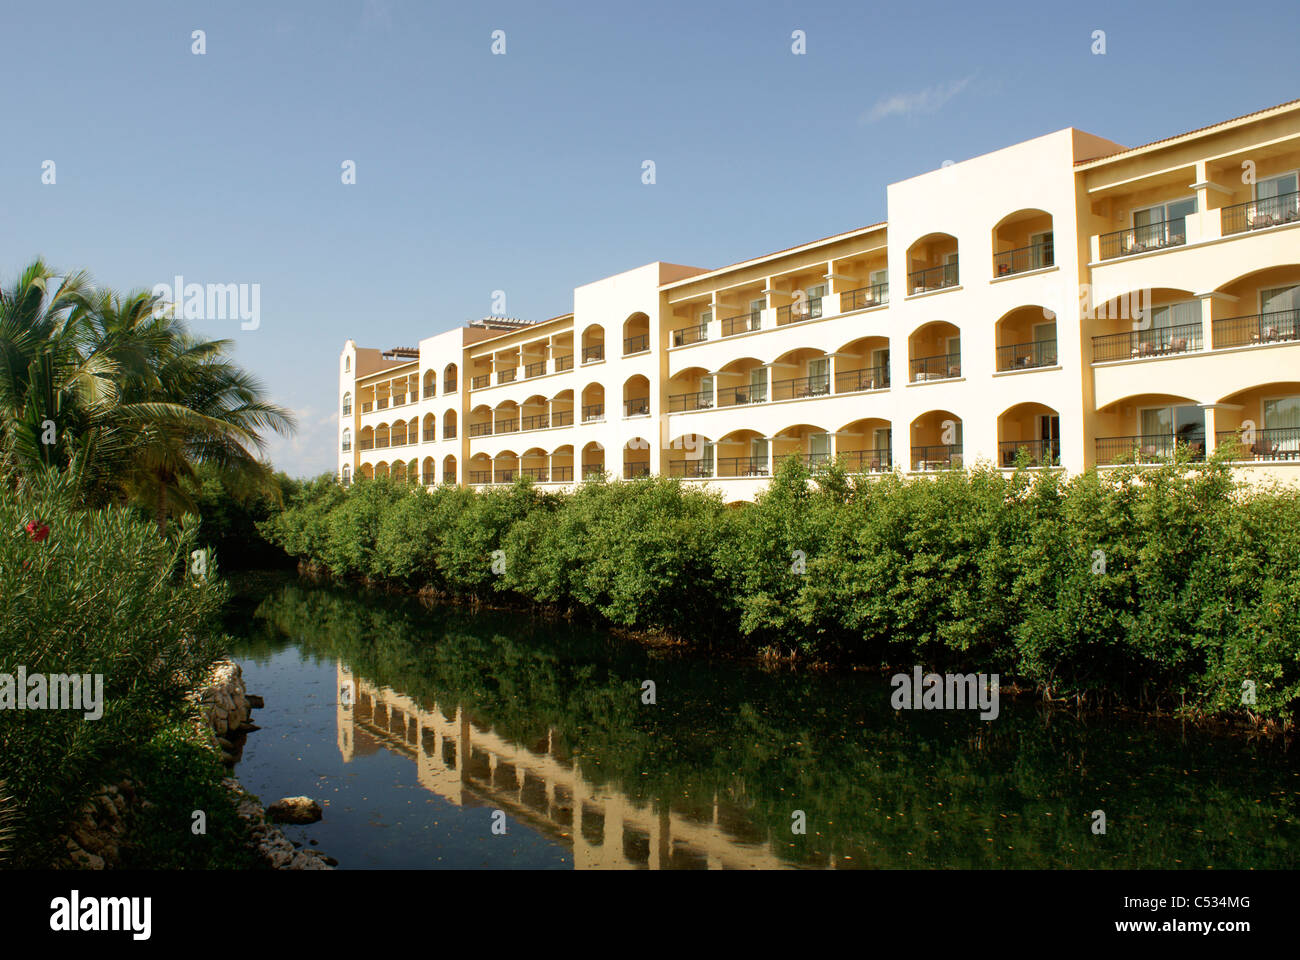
(1274, 187)
(883, 438)
(819, 376)
(706, 315)
(758, 305)
(819, 446)
(347, 404)
(758, 450)
(879, 276)
(1185, 422)
(880, 358)
(954, 348)
(1049, 427)
(1162, 212)
(1278, 299)
(347, 440)
(1282, 413)
(758, 384)
(1040, 250)
(347, 364)
(347, 473)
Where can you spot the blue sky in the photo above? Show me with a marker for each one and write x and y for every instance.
(522, 172)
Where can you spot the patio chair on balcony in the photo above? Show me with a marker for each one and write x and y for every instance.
(1178, 345)
(1267, 335)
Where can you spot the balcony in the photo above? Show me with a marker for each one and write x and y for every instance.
(347, 447)
(809, 309)
(876, 295)
(480, 429)
(383, 403)
(562, 418)
(934, 278)
(1144, 448)
(1027, 356)
(540, 421)
(593, 472)
(1258, 214)
(381, 444)
(507, 375)
(537, 474)
(945, 366)
(430, 436)
(1150, 236)
(939, 456)
(1276, 327)
(742, 323)
(700, 469)
(365, 444)
(636, 407)
(367, 406)
(1036, 256)
(743, 467)
(868, 378)
(449, 433)
(481, 381)
(510, 425)
(632, 471)
(686, 335)
(480, 476)
(635, 345)
(430, 391)
(801, 387)
(593, 353)
(561, 474)
(1039, 452)
(504, 476)
(593, 412)
(879, 460)
(685, 402)
(399, 400)
(534, 369)
(1271, 445)
(1152, 342)
(564, 363)
(449, 386)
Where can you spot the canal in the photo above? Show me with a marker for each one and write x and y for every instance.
(436, 737)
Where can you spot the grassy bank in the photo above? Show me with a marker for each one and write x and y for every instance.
(1172, 587)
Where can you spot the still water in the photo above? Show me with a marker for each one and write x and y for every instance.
(425, 731)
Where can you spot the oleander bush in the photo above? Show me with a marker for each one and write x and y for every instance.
(1172, 586)
(92, 592)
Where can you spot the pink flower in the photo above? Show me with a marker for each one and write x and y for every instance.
(37, 530)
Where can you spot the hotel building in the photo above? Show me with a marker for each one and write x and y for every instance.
(1067, 300)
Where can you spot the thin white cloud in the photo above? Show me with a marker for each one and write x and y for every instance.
(310, 450)
(929, 100)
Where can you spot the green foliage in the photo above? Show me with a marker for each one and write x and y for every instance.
(102, 593)
(1171, 585)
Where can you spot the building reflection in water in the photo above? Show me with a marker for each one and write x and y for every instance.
(469, 766)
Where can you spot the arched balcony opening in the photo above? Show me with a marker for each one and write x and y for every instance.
(811, 443)
(366, 439)
(593, 403)
(562, 409)
(593, 343)
(505, 467)
(383, 436)
(430, 384)
(430, 433)
(480, 421)
(449, 425)
(347, 439)
(1022, 241)
(593, 461)
(936, 441)
(862, 365)
(801, 373)
(744, 453)
(366, 470)
(636, 397)
(1260, 308)
(866, 446)
(535, 465)
(1148, 427)
(449, 469)
(381, 469)
(347, 403)
(636, 334)
(1029, 431)
(1146, 324)
(691, 456)
(1262, 423)
(505, 418)
(562, 464)
(449, 378)
(428, 473)
(534, 413)
(479, 470)
(1026, 339)
(932, 264)
(934, 352)
(636, 458)
(691, 389)
(741, 382)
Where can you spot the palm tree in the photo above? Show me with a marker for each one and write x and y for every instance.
(123, 395)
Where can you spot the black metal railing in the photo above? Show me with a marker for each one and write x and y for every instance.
(449, 386)
(592, 472)
(509, 425)
(429, 479)
(876, 295)
(538, 421)
(1151, 342)
(347, 446)
(430, 390)
(449, 433)
(800, 310)
(381, 444)
(479, 382)
(564, 363)
(561, 474)
(944, 366)
(593, 411)
(742, 467)
(1039, 452)
(868, 378)
(365, 444)
(504, 476)
(633, 470)
(1146, 448)
(696, 469)
(937, 456)
(1026, 356)
(815, 461)
(736, 396)
(539, 474)
(535, 369)
(696, 334)
(1036, 256)
(399, 400)
(933, 278)
(799, 387)
(682, 402)
(1275, 327)
(430, 436)
(639, 344)
(383, 403)
(1149, 236)
(480, 476)
(480, 429)
(1258, 214)
(879, 460)
(562, 418)
(367, 406)
(347, 409)
(1270, 443)
(593, 353)
(636, 407)
(742, 323)
(507, 375)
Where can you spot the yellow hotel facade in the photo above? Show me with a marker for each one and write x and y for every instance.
(1080, 301)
